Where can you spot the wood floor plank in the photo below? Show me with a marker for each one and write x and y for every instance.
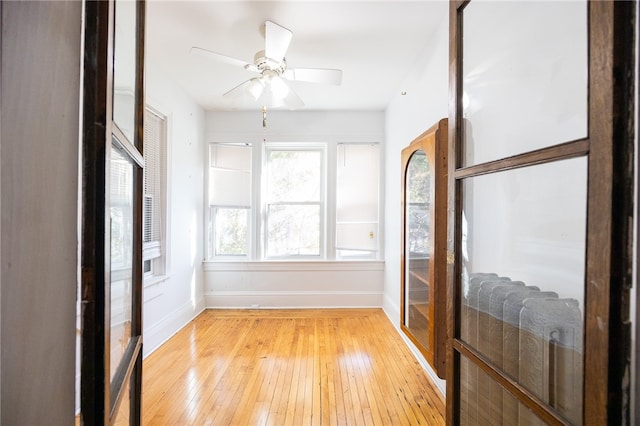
(288, 367)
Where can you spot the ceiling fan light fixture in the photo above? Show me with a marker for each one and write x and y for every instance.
(256, 88)
(279, 88)
(277, 92)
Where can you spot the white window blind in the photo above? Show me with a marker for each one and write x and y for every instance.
(230, 175)
(154, 153)
(357, 197)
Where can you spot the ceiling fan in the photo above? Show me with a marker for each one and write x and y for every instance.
(270, 87)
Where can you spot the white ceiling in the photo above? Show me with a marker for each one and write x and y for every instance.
(374, 43)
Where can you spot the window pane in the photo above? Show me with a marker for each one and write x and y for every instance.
(418, 200)
(417, 249)
(293, 230)
(294, 175)
(121, 201)
(524, 77)
(231, 232)
(523, 277)
(124, 66)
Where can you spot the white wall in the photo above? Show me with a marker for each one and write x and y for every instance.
(40, 122)
(169, 304)
(295, 126)
(294, 284)
(407, 116)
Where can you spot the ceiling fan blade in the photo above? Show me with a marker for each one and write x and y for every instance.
(223, 58)
(315, 75)
(276, 41)
(253, 87)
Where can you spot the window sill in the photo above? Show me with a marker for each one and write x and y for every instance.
(153, 287)
(294, 265)
(154, 279)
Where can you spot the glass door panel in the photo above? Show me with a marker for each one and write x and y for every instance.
(121, 418)
(524, 77)
(541, 244)
(522, 283)
(484, 402)
(124, 67)
(417, 248)
(122, 206)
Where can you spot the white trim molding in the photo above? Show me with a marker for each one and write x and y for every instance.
(292, 299)
(438, 382)
(294, 284)
(160, 332)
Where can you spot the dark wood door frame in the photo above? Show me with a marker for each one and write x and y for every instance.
(94, 395)
(100, 396)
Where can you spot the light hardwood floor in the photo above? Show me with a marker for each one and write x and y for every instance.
(288, 367)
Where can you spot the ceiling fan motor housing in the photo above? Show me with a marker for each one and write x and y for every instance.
(267, 64)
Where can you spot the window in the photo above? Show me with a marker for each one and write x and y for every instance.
(294, 202)
(153, 202)
(357, 200)
(229, 200)
(311, 201)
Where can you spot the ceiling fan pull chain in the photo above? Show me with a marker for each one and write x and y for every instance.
(264, 116)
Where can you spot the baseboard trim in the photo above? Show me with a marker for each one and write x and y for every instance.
(393, 313)
(293, 299)
(391, 309)
(160, 332)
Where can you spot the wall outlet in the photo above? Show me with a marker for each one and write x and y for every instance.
(255, 306)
